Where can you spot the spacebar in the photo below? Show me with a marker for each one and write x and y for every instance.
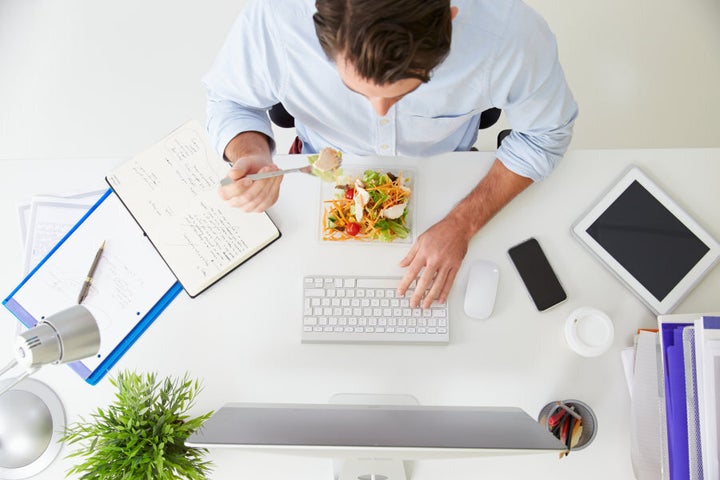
(382, 282)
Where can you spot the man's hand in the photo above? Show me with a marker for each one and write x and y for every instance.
(436, 256)
(249, 195)
(434, 260)
(250, 153)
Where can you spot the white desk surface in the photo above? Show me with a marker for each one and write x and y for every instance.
(242, 337)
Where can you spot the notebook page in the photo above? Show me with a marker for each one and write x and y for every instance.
(171, 190)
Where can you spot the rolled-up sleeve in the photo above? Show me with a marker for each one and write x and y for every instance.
(227, 118)
(528, 83)
(244, 80)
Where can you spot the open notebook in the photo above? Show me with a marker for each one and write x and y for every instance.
(171, 191)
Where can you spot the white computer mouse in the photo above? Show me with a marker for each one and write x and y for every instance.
(481, 289)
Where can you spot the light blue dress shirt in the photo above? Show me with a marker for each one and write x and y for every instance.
(502, 55)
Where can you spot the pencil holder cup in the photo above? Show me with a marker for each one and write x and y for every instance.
(589, 421)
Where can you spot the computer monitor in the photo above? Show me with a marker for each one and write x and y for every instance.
(375, 441)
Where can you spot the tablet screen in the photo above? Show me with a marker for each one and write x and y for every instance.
(647, 240)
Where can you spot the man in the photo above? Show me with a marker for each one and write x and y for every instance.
(393, 77)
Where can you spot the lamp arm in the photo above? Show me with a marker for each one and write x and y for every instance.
(7, 367)
(19, 379)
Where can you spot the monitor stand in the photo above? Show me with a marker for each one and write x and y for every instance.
(372, 468)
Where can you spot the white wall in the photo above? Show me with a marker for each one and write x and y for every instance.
(76, 73)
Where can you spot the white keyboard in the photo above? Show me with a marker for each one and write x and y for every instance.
(347, 309)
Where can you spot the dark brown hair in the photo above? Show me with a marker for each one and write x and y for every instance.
(386, 40)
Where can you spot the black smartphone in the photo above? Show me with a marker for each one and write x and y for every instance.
(537, 274)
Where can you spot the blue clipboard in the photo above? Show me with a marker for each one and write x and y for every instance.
(133, 272)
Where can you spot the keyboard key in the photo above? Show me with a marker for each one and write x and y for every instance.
(378, 282)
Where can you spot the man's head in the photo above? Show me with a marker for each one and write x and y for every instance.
(386, 40)
(384, 49)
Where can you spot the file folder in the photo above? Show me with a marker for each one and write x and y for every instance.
(675, 403)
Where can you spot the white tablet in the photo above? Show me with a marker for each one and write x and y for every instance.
(648, 241)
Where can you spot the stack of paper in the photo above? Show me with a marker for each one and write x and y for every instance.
(45, 219)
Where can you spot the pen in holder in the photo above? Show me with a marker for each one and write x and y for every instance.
(573, 422)
(69, 335)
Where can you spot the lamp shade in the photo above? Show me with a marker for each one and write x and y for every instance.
(69, 335)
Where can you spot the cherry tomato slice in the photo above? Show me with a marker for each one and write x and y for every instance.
(352, 228)
(350, 193)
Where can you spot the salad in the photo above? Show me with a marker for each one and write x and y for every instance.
(371, 207)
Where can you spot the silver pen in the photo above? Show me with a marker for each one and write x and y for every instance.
(88, 279)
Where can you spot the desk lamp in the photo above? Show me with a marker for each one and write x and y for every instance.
(31, 416)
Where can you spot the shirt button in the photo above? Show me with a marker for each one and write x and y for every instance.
(384, 121)
(384, 146)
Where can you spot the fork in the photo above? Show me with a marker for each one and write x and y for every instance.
(277, 173)
(274, 173)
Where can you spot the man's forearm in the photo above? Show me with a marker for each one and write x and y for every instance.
(494, 191)
(247, 144)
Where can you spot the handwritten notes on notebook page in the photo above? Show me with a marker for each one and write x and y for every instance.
(171, 190)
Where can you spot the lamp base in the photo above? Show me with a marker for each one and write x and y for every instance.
(33, 421)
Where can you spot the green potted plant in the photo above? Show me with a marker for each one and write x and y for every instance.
(141, 435)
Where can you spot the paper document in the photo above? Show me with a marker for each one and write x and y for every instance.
(707, 353)
(45, 219)
(50, 219)
(646, 429)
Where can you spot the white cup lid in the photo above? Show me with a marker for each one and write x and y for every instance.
(589, 332)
